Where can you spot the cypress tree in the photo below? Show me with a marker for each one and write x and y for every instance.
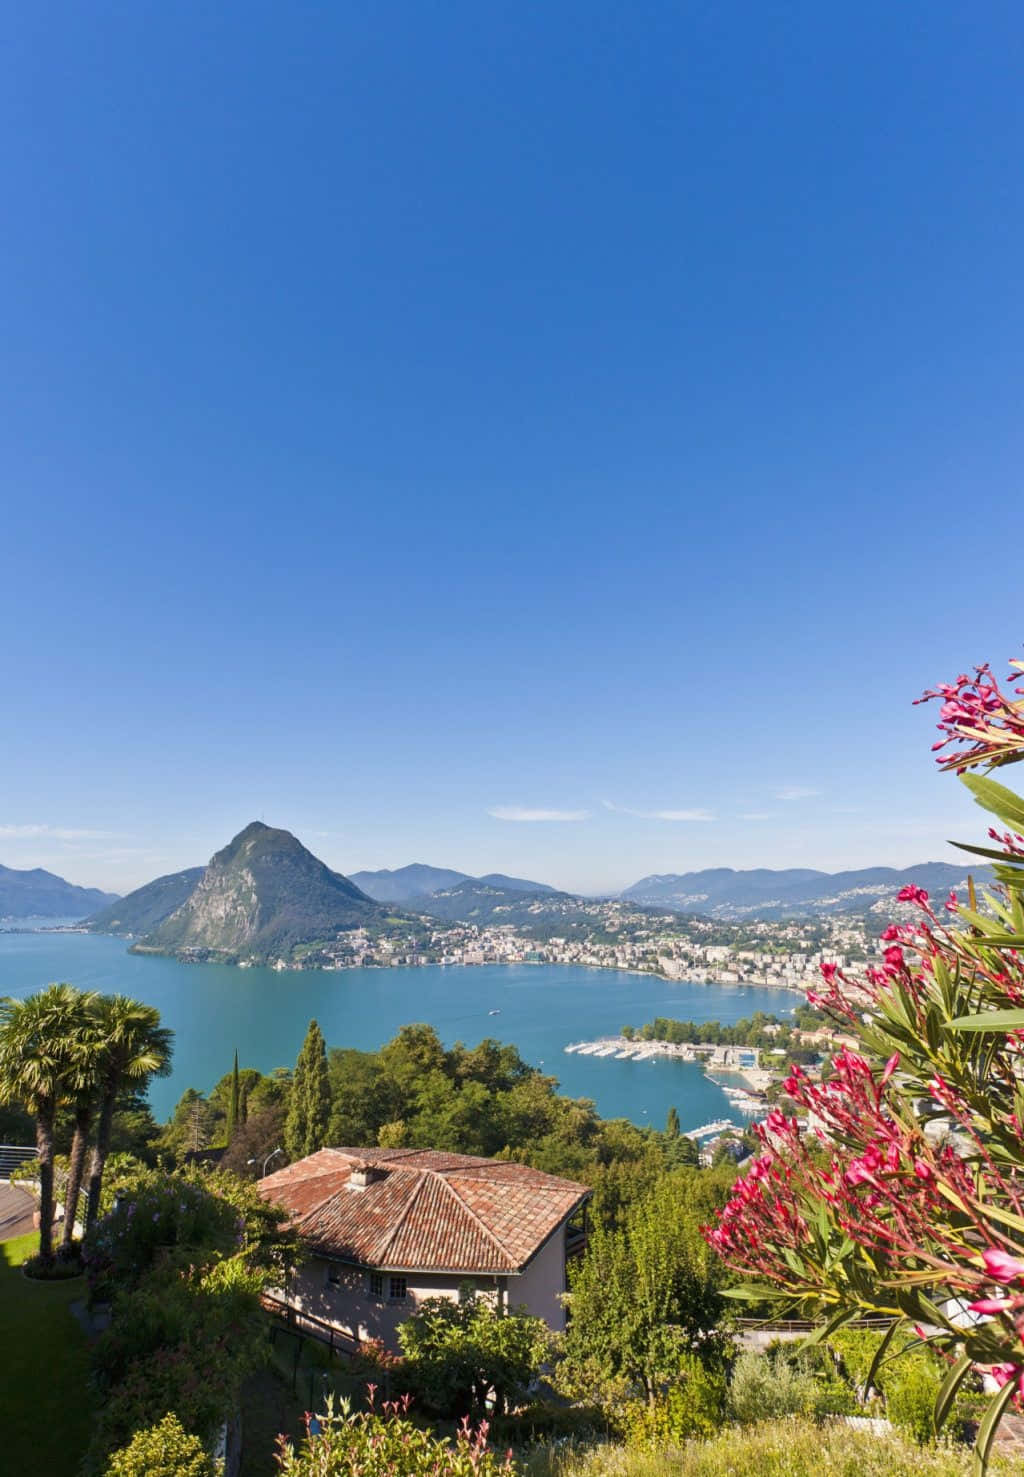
(672, 1124)
(305, 1128)
(233, 1101)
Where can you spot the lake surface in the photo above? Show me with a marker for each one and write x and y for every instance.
(214, 1008)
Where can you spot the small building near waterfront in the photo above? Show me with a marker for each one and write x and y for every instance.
(388, 1228)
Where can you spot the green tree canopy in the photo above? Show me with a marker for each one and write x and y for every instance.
(643, 1296)
(309, 1111)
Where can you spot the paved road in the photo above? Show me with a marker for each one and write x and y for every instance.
(16, 1207)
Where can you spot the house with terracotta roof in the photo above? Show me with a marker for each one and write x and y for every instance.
(387, 1228)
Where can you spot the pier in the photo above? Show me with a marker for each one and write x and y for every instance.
(719, 1126)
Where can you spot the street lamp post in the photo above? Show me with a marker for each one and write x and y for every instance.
(272, 1155)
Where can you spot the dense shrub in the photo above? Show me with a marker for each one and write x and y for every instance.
(785, 1448)
(184, 1259)
(159, 1217)
(462, 1356)
(764, 1388)
(164, 1450)
(185, 1220)
(908, 1382)
(119, 1174)
(178, 1344)
(691, 1406)
(386, 1443)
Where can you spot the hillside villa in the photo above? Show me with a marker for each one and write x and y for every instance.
(388, 1228)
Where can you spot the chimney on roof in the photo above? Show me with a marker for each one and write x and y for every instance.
(363, 1174)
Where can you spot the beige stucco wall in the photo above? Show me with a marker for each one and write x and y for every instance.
(348, 1306)
(542, 1283)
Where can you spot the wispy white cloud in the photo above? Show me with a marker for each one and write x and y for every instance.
(661, 815)
(40, 832)
(524, 813)
(758, 815)
(797, 792)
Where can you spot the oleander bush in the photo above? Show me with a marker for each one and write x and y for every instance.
(905, 1200)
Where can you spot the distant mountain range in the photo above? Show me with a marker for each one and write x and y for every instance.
(723, 893)
(265, 897)
(419, 881)
(39, 894)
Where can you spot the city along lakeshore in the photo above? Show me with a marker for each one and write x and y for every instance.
(782, 954)
(611, 934)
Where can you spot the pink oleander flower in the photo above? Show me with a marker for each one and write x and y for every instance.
(978, 715)
(989, 1305)
(890, 1067)
(912, 894)
(1000, 1266)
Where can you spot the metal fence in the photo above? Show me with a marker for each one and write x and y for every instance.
(336, 1339)
(13, 1155)
(801, 1325)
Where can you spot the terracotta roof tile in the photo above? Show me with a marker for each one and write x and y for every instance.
(423, 1210)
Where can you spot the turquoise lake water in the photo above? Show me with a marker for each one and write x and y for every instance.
(215, 1008)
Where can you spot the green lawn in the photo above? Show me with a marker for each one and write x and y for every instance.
(45, 1406)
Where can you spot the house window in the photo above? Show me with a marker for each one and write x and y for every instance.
(377, 1286)
(333, 1274)
(397, 1289)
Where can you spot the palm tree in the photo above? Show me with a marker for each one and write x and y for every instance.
(135, 1048)
(85, 1056)
(38, 1051)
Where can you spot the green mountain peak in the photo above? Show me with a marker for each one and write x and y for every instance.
(261, 897)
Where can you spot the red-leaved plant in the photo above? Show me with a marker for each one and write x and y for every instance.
(384, 1442)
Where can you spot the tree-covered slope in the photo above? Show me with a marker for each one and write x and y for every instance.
(419, 881)
(416, 880)
(480, 901)
(142, 910)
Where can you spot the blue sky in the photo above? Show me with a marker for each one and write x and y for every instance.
(419, 418)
